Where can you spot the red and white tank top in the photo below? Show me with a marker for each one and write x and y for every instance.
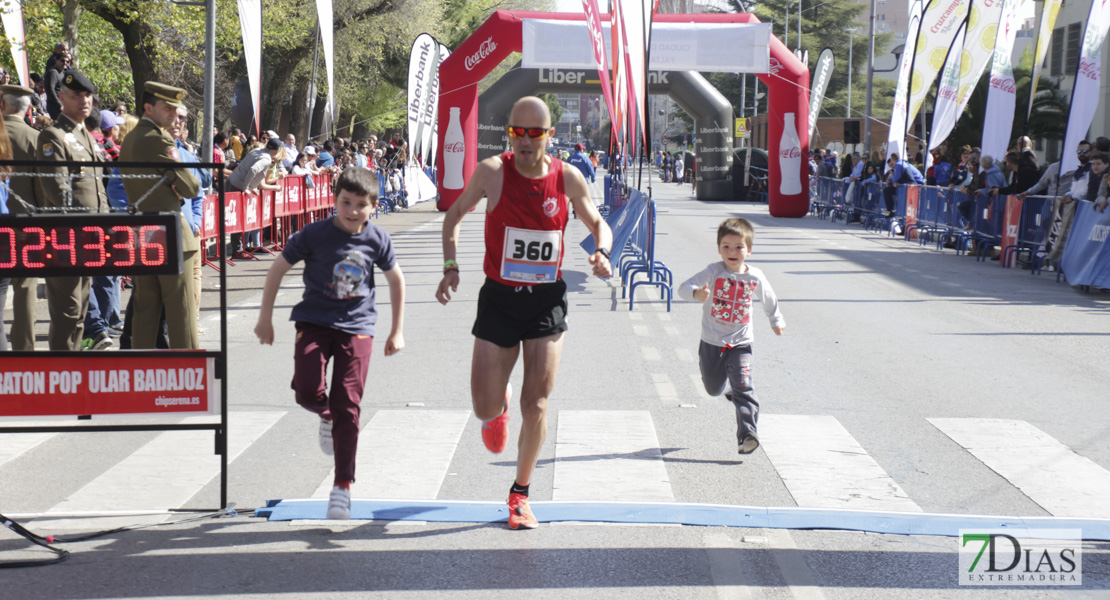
(524, 232)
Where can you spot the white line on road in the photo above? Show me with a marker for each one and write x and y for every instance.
(14, 444)
(640, 330)
(684, 355)
(404, 454)
(609, 455)
(651, 353)
(699, 387)
(164, 473)
(726, 566)
(1051, 474)
(663, 386)
(670, 330)
(823, 466)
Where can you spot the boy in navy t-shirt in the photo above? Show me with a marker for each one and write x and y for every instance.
(336, 316)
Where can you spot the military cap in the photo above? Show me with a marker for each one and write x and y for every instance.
(174, 96)
(16, 90)
(77, 82)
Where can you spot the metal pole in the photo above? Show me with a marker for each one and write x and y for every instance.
(209, 81)
(851, 36)
(870, 77)
(786, 29)
(743, 94)
(799, 25)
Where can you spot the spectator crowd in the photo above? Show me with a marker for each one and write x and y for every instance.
(86, 313)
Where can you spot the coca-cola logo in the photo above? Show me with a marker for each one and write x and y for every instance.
(1090, 69)
(454, 147)
(775, 66)
(484, 50)
(789, 153)
(1006, 85)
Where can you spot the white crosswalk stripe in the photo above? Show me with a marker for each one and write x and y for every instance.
(609, 455)
(823, 466)
(600, 455)
(1048, 472)
(403, 454)
(15, 444)
(163, 474)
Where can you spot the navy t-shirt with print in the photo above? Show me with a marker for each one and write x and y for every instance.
(339, 274)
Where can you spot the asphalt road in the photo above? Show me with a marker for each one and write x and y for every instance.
(909, 380)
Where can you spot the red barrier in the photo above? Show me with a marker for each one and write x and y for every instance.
(209, 229)
(1011, 222)
(912, 196)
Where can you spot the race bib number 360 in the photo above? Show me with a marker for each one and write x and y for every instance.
(530, 256)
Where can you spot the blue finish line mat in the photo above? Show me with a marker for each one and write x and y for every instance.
(709, 515)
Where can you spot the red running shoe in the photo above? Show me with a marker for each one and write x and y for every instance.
(520, 514)
(495, 433)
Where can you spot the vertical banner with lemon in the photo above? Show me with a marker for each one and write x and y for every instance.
(998, 123)
(1048, 21)
(1085, 94)
(946, 108)
(939, 24)
(982, 31)
(896, 139)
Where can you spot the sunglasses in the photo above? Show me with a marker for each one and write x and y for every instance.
(1082, 151)
(532, 132)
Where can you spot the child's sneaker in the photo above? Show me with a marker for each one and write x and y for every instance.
(339, 504)
(520, 514)
(326, 443)
(495, 433)
(748, 444)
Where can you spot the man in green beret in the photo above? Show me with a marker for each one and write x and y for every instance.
(151, 141)
(15, 103)
(68, 140)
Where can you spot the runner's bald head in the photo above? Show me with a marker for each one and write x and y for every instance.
(530, 107)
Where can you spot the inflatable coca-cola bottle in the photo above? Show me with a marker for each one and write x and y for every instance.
(790, 158)
(454, 151)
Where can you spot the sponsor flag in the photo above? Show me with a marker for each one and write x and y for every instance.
(620, 80)
(1085, 93)
(13, 28)
(635, 35)
(423, 96)
(327, 41)
(1002, 93)
(945, 110)
(939, 24)
(822, 72)
(897, 137)
(444, 52)
(1048, 21)
(982, 32)
(250, 23)
(597, 40)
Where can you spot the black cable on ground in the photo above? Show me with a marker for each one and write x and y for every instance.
(49, 541)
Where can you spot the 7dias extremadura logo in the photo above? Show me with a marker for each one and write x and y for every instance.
(1021, 557)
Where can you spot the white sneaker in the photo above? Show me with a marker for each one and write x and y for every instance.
(326, 443)
(339, 504)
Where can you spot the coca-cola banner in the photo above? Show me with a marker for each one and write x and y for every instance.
(250, 23)
(982, 31)
(1048, 20)
(705, 47)
(896, 139)
(12, 16)
(1085, 93)
(939, 24)
(423, 96)
(1002, 93)
(596, 42)
(822, 72)
(946, 108)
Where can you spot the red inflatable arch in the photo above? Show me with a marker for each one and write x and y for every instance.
(787, 91)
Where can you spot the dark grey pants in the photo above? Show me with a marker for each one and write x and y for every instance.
(731, 368)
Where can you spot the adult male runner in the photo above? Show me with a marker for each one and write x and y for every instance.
(524, 299)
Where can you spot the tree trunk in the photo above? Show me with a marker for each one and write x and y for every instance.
(298, 115)
(71, 12)
(136, 33)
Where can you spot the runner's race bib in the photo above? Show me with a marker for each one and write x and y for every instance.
(530, 256)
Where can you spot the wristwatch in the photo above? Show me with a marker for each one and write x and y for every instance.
(603, 252)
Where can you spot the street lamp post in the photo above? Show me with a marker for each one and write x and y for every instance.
(870, 78)
(851, 38)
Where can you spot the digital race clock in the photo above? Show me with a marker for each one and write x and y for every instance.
(90, 244)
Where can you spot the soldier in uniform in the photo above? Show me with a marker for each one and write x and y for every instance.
(15, 102)
(68, 140)
(151, 141)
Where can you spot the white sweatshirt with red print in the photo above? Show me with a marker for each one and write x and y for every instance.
(726, 316)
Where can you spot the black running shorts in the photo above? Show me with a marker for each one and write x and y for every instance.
(507, 315)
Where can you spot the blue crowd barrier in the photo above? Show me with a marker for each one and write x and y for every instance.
(1036, 215)
(1086, 258)
(633, 227)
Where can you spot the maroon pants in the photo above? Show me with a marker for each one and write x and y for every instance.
(315, 347)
